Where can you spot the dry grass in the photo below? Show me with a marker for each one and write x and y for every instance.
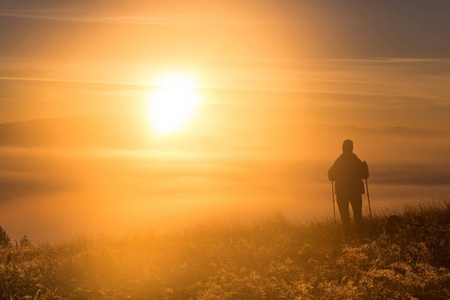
(269, 259)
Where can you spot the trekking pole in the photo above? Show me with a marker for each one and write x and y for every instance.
(368, 199)
(334, 205)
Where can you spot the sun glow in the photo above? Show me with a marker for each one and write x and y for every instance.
(173, 104)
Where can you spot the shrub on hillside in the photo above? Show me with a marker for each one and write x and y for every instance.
(5, 240)
(25, 241)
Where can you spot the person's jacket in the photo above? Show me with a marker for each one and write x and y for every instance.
(348, 171)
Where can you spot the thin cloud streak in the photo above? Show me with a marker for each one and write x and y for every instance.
(267, 96)
(60, 80)
(168, 19)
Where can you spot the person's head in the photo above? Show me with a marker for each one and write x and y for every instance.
(347, 146)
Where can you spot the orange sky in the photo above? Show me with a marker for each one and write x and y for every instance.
(282, 83)
(376, 60)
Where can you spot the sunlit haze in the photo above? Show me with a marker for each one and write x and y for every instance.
(123, 116)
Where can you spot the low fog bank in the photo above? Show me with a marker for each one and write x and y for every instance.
(51, 190)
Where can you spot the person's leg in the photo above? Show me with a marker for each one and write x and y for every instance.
(343, 211)
(356, 201)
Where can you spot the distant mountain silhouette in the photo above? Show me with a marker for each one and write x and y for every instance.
(400, 131)
(127, 132)
(95, 130)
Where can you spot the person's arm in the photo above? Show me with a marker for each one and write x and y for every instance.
(364, 170)
(331, 174)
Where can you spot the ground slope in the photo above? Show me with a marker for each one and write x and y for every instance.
(398, 258)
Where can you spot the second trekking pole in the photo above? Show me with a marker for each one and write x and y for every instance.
(334, 205)
(368, 199)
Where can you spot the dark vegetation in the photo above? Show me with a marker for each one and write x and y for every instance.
(403, 257)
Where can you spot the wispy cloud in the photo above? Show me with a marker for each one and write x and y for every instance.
(72, 15)
(64, 80)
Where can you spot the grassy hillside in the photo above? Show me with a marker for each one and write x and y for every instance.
(269, 259)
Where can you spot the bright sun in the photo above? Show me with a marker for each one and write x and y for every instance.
(173, 104)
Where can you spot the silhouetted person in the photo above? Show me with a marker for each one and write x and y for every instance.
(348, 171)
